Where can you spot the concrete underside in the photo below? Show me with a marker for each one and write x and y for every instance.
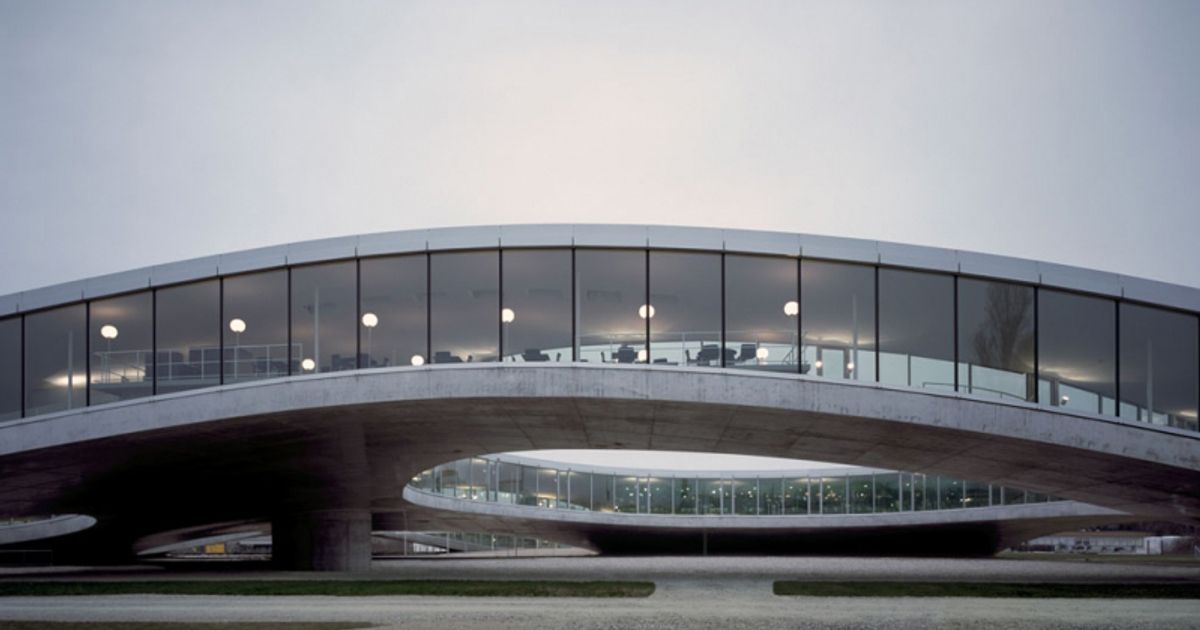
(350, 441)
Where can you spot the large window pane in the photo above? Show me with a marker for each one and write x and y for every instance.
(255, 321)
(610, 288)
(122, 339)
(950, 493)
(536, 312)
(797, 497)
(580, 490)
(887, 492)
(10, 368)
(188, 329)
(916, 329)
(548, 488)
(55, 360)
(529, 486)
(394, 310)
(708, 498)
(660, 495)
(833, 495)
(324, 332)
(837, 316)
(685, 496)
(465, 306)
(770, 496)
(604, 498)
(862, 494)
(1159, 366)
(685, 309)
(745, 496)
(995, 339)
(761, 313)
(1077, 355)
(627, 495)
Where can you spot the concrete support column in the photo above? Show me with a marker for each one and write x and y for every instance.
(322, 540)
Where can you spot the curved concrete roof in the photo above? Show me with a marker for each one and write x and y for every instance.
(387, 425)
(598, 235)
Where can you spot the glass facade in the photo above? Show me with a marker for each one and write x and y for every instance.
(762, 313)
(995, 339)
(121, 364)
(464, 306)
(394, 301)
(10, 368)
(610, 290)
(536, 306)
(255, 322)
(774, 313)
(852, 492)
(685, 309)
(916, 329)
(56, 360)
(188, 336)
(837, 317)
(1159, 366)
(324, 310)
(1077, 352)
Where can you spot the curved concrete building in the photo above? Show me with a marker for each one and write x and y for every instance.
(306, 384)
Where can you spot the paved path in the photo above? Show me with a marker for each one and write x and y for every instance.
(714, 592)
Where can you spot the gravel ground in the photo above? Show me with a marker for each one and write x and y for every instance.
(693, 592)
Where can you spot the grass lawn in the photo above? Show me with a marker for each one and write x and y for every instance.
(987, 589)
(470, 588)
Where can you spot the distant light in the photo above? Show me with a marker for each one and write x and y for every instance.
(370, 320)
(819, 364)
(643, 355)
(507, 315)
(850, 366)
(642, 310)
(308, 365)
(1064, 399)
(761, 354)
(791, 308)
(237, 325)
(108, 331)
(417, 360)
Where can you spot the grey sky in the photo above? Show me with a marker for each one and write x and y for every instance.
(134, 133)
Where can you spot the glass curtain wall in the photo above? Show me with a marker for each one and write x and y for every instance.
(685, 495)
(122, 343)
(393, 327)
(603, 497)
(862, 493)
(1159, 364)
(10, 368)
(256, 326)
(579, 486)
(536, 312)
(324, 309)
(660, 498)
(55, 360)
(888, 497)
(745, 496)
(1077, 352)
(708, 499)
(610, 287)
(996, 339)
(833, 495)
(465, 306)
(685, 309)
(188, 335)
(762, 312)
(770, 492)
(916, 329)
(797, 497)
(837, 317)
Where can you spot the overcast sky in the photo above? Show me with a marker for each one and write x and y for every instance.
(136, 133)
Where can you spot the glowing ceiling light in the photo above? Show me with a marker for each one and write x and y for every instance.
(645, 309)
(237, 325)
(308, 365)
(108, 331)
(791, 308)
(507, 315)
(370, 320)
(761, 354)
(417, 360)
